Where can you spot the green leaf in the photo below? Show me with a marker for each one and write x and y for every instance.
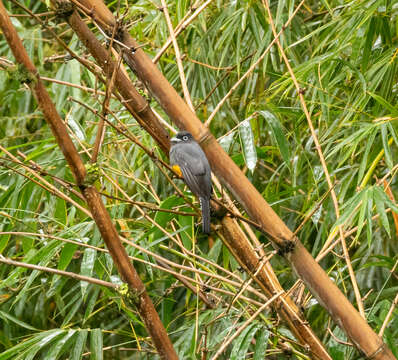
(362, 211)
(4, 239)
(27, 349)
(386, 146)
(7, 316)
(41, 150)
(58, 348)
(163, 218)
(249, 148)
(261, 344)
(77, 350)
(277, 132)
(369, 227)
(393, 110)
(188, 224)
(215, 251)
(380, 197)
(87, 266)
(226, 141)
(91, 303)
(96, 344)
(368, 43)
(368, 148)
(66, 255)
(60, 211)
(243, 341)
(72, 307)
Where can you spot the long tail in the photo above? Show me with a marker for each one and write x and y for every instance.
(205, 206)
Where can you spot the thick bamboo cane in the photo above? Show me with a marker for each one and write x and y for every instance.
(101, 216)
(235, 237)
(327, 293)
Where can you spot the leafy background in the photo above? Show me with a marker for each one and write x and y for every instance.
(344, 55)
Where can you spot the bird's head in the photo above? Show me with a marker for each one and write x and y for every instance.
(182, 136)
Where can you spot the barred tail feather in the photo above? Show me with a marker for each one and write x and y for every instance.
(205, 206)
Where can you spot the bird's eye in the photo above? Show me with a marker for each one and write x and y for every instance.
(185, 138)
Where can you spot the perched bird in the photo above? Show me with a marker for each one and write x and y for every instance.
(189, 161)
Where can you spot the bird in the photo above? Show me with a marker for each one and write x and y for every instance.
(189, 161)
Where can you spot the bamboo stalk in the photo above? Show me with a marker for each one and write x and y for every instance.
(248, 258)
(327, 293)
(96, 206)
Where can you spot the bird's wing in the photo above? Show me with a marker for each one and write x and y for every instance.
(185, 155)
(193, 170)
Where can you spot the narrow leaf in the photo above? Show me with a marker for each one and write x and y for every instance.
(77, 350)
(379, 198)
(261, 345)
(279, 136)
(87, 267)
(249, 149)
(96, 344)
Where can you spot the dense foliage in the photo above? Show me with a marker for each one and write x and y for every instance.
(344, 56)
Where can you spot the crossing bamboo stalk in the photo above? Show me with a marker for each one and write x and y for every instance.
(102, 218)
(287, 309)
(315, 278)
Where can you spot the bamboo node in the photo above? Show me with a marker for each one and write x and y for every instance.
(204, 137)
(22, 74)
(378, 350)
(133, 296)
(287, 246)
(63, 9)
(92, 174)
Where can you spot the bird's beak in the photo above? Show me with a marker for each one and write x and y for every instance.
(175, 140)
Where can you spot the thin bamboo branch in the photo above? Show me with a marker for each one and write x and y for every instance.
(185, 90)
(46, 185)
(180, 27)
(122, 129)
(244, 326)
(159, 258)
(162, 265)
(72, 275)
(204, 101)
(83, 61)
(110, 83)
(388, 316)
(77, 86)
(131, 99)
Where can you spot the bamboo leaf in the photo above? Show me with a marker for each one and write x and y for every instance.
(393, 110)
(386, 146)
(278, 135)
(243, 341)
(261, 344)
(249, 149)
(66, 255)
(96, 344)
(87, 267)
(57, 348)
(9, 317)
(226, 141)
(80, 342)
(379, 198)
